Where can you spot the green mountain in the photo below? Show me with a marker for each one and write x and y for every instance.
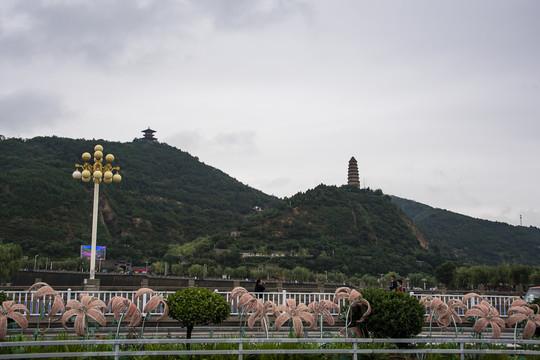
(166, 196)
(171, 207)
(351, 230)
(473, 241)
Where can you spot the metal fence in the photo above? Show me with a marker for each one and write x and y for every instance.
(239, 347)
(35, 306)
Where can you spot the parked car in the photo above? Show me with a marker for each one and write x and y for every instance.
(532, 293)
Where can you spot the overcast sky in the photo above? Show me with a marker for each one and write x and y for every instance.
(438, 101)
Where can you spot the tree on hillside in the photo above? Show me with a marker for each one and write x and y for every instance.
(480, 275)
(445, 273)
(10, 260)
(500, 275)
(520, 274)
(421, 280)
(463, 277)
(302, 274)
(535, 277)
(196, 270)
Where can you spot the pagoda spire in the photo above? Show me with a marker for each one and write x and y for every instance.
(353, 178)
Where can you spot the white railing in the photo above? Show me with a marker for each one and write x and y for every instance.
(417, 347)
(35, 306)
(499, 302)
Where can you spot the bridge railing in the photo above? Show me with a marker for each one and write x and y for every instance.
(35, 306)
(352, 347)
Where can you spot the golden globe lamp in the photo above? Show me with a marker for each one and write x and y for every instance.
(97, 172)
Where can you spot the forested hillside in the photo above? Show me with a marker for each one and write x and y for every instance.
(170, 207)
(166, 197)
(473, 241)
(356, 231)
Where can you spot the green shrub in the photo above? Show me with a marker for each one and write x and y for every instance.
(393, 315)
(197, 306)
(537, 302)
(3, 297)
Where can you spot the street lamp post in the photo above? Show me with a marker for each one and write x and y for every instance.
(98, 173)
(35, 261)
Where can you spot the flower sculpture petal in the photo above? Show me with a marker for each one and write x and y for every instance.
(525, 313)
(141, 292)
(261, 313)
(245, 299)
(294, 313)
(439, 310)
(248, 302)
(486, 315)
(134, 313)
(10, 310)
(471, 296)
(365, 306)
(355, 299)
(515, 301)
(323, 309)
(342, 293)
(237, 292)
(153, 303)
(452, 313)
(44, 290)
(88, 306)
(119, 304)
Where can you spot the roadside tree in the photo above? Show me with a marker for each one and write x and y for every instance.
(197, 306)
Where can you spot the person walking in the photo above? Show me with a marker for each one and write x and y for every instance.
(259, 288)
(393, 283)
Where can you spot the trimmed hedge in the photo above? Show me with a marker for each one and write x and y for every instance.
(393, 315)
(197, 306)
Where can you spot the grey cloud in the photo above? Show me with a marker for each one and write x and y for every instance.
(242, 14)
(94, 30)
(102, 31)
(274, 183)
(29, 110)
(454, 28)
(190, 141)
(239, 141)
(225, 142)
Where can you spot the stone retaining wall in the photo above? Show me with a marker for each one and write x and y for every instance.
(62, 280)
